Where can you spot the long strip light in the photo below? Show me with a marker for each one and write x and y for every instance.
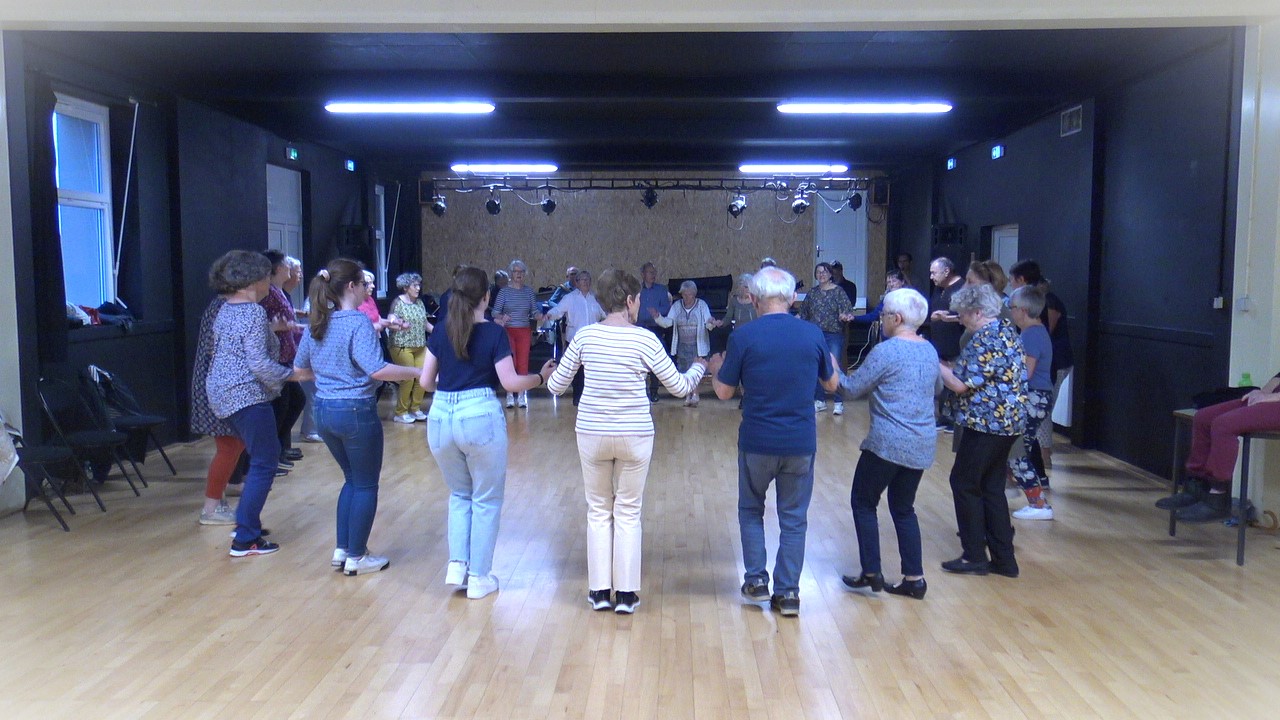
(863, 108)
(503, 168)
(801, 169)
(410, 108)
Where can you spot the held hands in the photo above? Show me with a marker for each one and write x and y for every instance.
(548, 367)
(501, 320)
(714, 363)
(846, 317)
(1258, 396)
(714, 323)
(653, 312)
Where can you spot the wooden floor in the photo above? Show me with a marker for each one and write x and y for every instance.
(139, 612)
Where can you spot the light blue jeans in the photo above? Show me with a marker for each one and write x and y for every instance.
(352, 430)
(467, 434)
(794, 475)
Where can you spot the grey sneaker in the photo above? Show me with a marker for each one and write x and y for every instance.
(787, 604)
(755, 590)
(222, 515)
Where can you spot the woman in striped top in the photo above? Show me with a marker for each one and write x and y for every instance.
(615, 432)
(513, 308)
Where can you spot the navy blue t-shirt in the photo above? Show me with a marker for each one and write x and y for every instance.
(778, 359)
(487, 346)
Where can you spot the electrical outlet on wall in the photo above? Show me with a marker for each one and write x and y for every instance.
(1219, 303)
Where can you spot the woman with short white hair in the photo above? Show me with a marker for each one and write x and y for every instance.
(901, 375)
(692, 339)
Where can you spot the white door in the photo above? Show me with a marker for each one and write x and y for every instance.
(841, 236)
(284, 217)
(1004, 245)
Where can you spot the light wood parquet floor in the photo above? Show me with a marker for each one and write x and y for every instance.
(140, 613)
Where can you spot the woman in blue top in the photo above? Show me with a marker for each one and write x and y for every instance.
(341, 351)
(466, 428)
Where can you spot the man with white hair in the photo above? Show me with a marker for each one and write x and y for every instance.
(778, 359)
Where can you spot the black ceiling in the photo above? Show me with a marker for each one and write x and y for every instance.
(612, 102)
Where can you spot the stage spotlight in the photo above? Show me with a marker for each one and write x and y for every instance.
(799, 205)
(548, 206)
(437, 205)
(650, 198)
(738, 205)
(493, 204)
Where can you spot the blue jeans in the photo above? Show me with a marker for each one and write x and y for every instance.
(794, 474)
(256, 426)
(467, 434)
(835, 344)
(352, 431)
(873, 476)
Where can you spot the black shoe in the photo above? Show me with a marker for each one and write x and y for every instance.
(857, 582)
(1214, 506)
(786, 605)
(960, 566)
(600, 599)
(286, 464)
(755, 590)
(291, 454)
(281, 472)
(910, 588)
(1009, 570)
(1186, 498)
(260, 546)
(626, 603)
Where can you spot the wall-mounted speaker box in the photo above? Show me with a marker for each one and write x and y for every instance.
(879, 192)
(948, 234)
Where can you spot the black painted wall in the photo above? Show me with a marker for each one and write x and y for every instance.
(1168, 148)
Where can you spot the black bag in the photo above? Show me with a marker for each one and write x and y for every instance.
(1221, 395)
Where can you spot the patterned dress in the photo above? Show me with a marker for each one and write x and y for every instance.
(992, 366)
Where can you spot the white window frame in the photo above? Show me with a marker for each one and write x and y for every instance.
(380, 238)
(99, 116)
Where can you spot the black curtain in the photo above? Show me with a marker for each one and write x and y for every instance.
(50, 300)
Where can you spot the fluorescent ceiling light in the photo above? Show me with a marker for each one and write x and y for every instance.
(806, 169)
(501, 168)
(863, 108)
(410, 108)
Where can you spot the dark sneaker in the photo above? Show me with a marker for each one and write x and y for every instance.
(291, 454)
(1180, 500)
(787, 604)
(873, 582)
(600, 599)
(1212, 507)
(261, 546)
(626, 603)
(755, 590)
(960, 566)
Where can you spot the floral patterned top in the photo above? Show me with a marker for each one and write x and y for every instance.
(203, 421)
(993, 368)
(824, 308)
(414, 313)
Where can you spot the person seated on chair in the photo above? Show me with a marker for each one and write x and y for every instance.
(1215, 434)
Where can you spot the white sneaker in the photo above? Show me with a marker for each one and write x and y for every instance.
(221, 515)
(478, 587)
(367, 563)
(405, 419)
(419, 415)
(819, 405)
(312, 438)
(339, 558)
(838, 409)
(511, 400)
(456, 573)
(1034, 513)
(522, 400)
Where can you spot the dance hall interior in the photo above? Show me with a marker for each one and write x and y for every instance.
(1132, 153)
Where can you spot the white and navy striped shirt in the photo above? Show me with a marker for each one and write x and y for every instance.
(519, 303)
(616, 361)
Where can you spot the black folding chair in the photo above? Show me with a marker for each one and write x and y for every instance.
(126, 415)
(44, 465)
(85, 431)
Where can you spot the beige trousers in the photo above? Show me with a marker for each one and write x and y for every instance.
(614, 470)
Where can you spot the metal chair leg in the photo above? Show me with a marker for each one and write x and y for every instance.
(160, 447)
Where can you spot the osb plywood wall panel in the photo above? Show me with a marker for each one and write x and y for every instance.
(687, 234)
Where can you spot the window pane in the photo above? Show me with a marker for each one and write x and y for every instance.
(78, 153)
(84, 253)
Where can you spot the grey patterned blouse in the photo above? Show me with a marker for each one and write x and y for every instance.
(245, 370)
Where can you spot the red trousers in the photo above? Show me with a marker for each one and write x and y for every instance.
(1215, 432)
(521, 338)
(225, 457)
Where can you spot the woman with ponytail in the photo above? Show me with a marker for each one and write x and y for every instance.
(342, 350)
(466, 428)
